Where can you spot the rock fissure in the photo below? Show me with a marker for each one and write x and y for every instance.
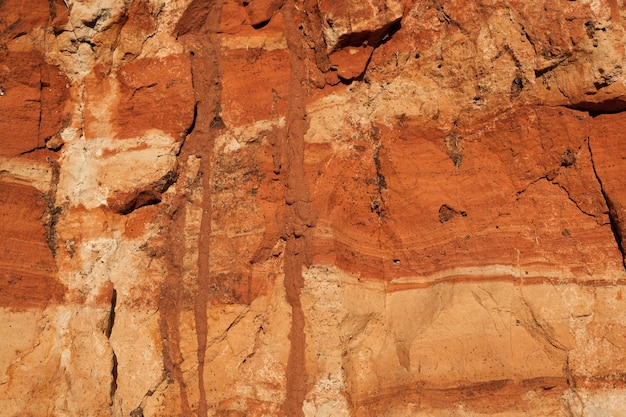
(536, 180)
(40, 101)
(53, 212)
(443, 16)
(69, 16)
(543, 332)
(107, 333)
(569, 196)
(613, 212)
(114, 377)
(551, 66)
(316, 40)
(232, 324)
(191, 127)
(372, 38)
(377, 205)
(145, 41)
(138, 411)
(552, 179)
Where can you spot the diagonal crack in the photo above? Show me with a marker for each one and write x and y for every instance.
(138, 411)
(613, 211)
(536, 180)
(232, 324)
(569, 196)
(538, 330)
(562, 187)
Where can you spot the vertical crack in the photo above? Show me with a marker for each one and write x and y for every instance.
(41, 87)
(52, 210)
(378, 205)
(614, 217)
(113, 378)
(192, 125)
(111, 320)
(107, 333)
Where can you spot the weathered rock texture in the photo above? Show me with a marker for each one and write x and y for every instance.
(312, 208)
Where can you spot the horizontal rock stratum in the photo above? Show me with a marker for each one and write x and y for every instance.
(312, 208)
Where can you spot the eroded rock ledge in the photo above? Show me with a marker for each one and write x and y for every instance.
(312, 208)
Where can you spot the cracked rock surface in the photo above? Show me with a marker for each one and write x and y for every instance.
(312, 208)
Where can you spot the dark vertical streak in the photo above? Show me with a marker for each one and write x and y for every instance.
(297, 214)
(198, 30)
(170, 304)
(113, 378)
(111, 321)
(107, 333)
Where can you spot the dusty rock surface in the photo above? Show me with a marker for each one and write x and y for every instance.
(312, 208)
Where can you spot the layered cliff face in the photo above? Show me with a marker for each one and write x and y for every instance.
(312, 208)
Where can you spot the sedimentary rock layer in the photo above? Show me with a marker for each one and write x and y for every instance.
(312, 208)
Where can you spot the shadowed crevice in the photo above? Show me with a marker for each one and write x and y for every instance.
(613, 211)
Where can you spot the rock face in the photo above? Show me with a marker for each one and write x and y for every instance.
(312, 208)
